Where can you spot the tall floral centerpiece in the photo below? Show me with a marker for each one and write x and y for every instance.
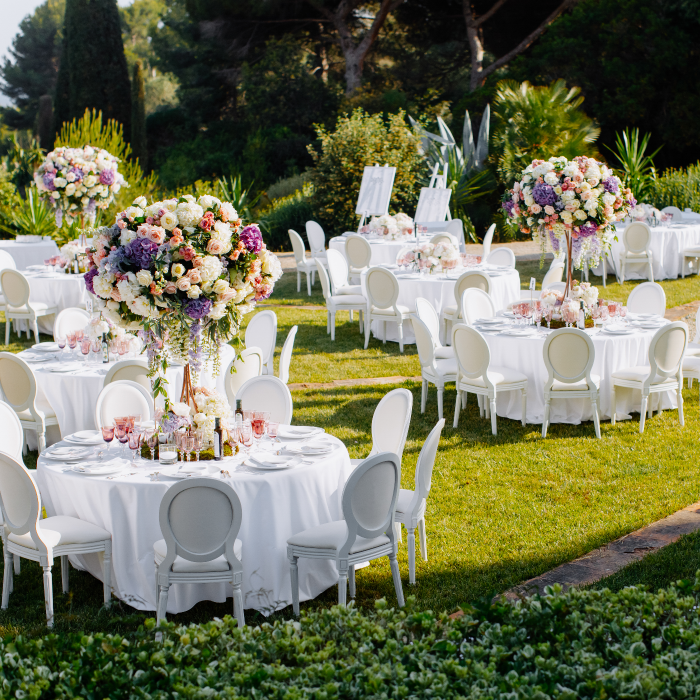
(78, 181)
(572, 202)
(183, 272)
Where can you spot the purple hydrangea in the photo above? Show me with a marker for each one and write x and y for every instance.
(78, 174)
(141, 252)
(611, 184)
(89, 276)
(544, 194)
(48, 179)
(632, 201)
(587, 229)
(251, 238)
(508, 205)
(198, 308)
(170, 422)
(107, 177)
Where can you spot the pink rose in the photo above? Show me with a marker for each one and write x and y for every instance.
(149, 219)
(121, 223)
(156, 235)
(570, 206)
(188, 253)
(549, 210)
(177, 231)
(170, 288)
(194, 276)
(198, 261)
(142, 231)
(227, 295)
(535, 208)
(215, 247)
(116, 295)
(183, 284)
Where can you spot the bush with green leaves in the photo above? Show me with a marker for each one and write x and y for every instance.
(292, 211)
(677, 188)
(579, 644)
(358, 140)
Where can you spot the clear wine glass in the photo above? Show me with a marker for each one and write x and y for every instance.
(188, 443)
(198, 441)
(152, 441)
(72, 341)
(79, 335)
(246, 433)
(122, 434)
(272, 428)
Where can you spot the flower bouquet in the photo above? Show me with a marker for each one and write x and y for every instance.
(562, 310)
(209, 405)
(78, 181)
(430, 257)
(394, 228)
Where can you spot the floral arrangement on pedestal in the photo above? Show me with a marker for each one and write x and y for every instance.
(78, 181)
(183, 272)
(430, 256)
(577, 201)
(394, 228)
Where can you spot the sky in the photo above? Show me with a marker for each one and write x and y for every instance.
(12, 13)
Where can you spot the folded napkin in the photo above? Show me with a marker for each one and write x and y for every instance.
(97, 468)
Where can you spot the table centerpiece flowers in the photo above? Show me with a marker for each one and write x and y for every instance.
(210, 405)
(430, 257)
(568, 307)
(393, 228)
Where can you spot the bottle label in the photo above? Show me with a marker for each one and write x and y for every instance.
(217, 446)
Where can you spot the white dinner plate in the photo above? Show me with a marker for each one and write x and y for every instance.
(488, 321)
(67, 454)
(46, 347)
(649, 326)
(297, 432)
(518, 333)
(36, 358)
(85, 437)
(272, 463)
(618, 331)
(314, 449)
(491, 329)
(97, 471)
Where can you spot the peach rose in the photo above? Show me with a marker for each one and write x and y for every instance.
(121, 223)
(176, 240)
(188, 252)
(170, 288)
(535, 208)
(156, 236)
(116, 296)
(183, 284)
(198, 261)
(194, 276)
(215, 247)
(235, 254)
(227, 295)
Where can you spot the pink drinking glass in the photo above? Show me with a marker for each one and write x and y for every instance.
(246, 432)
(122, 434)
(85, 347)
(79, 335)
(107, 436)
(72, 341)
(272, 428)
(135, 444)
(61, 340)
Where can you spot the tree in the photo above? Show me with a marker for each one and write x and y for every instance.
(476, 43)
(93, 73)
(138, 117)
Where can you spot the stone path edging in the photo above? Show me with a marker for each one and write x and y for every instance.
(352, 382)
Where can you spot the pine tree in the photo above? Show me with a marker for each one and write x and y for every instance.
(138, 117)
(93, 73)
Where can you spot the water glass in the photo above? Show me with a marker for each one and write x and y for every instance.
(72, 341)
(152, 441)
(272, 428)
(85, 344)
(135, 444)
(246, 434)
(198, 440)
(167, 453)
(260, 419)
(188, 444)
(61, 340)
(122, 434)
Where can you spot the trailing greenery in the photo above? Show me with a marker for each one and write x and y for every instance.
(292, 211)
(637, 168)
(677, 188)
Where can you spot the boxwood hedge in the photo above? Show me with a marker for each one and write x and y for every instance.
(579, 644)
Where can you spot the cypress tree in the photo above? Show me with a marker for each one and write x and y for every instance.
(138, 117)
(93, 73)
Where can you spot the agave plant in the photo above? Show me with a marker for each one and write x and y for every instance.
(231, 190)
(32, 218)
(638, 171)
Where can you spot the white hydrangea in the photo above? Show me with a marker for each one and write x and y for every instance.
(210, 269)
(102, 285)
(271, 264)
(189, 213)
(551, 178)
(140, 305)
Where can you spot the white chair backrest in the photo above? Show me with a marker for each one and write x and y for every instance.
(14, 287)
(426, 461)
(369, 498)
(326, 289)
(469, 280)
(677, 213)
(476, 304)
(647, 298)
(262, 333)
(667, 350)
(390, 422)
(488, 237)
(317, 239)
(12, 433)
(247, 365)
(200, 520)
(267, 393)
(7, 261)
(568, 356)
(472, 352)
(70, 320)
(337, 269)
(637, 237)
(697, 326)
(425, 343)
(501, 256)
(286, 354)
(123, 398)
(382, 288)
(554, 274)
(297, 246)
(18, 382)
(358, 251)
(129, 371)
(557, 287)
(19, 499)
(443, 237)
(425, 311)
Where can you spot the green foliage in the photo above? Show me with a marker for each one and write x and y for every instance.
(138, 117)
(292, 211)
(677, 188)
(359, 140)
(538, 122)
(32, 217)
(23, 158)
(231, 190)
(638, 171)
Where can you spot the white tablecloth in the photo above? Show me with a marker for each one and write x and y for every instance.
(26, 254)
(612, 353)
(439, 291)
(58, 289)
(383, 252)
(276, 505)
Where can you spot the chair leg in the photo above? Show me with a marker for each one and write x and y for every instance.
(622, 270)
(328, 322)
(35, 327)
(480, 401)
(350, 315)
(238, 612)
(362, 320)
(458, 405)
(308, 282)
(411, 539)
(18, 565)
(368, 323)
(400, 324)
(422, 539)
(396, 575)
(351, 581)
(48, 594)
(397, 532)
(596, 418)
(643, 413)
(162, 604)
(487, 412)
(6, 579)
(524, 406)
(680, 404)
(64, 573)
(494, 417)
(423, 395)
(440, 391)
(343, 587)
(605, 271)
(332, 325)
(107, 572)
(298, 281)
(545, 420)
(464, 399)
(383, 332)
(651, 271)
(7, 329)
(650, 407)
(613, 405)
(294, 568)
(41, 438)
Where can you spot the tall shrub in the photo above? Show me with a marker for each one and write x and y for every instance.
(138, 117)
(677, 188)
(358, 140)
(93, 73)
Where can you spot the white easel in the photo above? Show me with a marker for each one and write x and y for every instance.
(436, 179)
(375, 192)
(433, 205)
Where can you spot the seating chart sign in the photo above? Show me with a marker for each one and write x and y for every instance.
(375, 190)
(433, 204)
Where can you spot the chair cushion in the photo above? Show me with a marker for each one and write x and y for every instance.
(38, 307)
(354, 299)
(576, 386)
(691, 364)
(449, 311)
(350, 289)
(184, 566)
(333, 536)
(390, 312)
(60, 530)
(639, 374)
(692, 252)
(403, 502)
(631, 257)
(43, 405)
(497, 375)
(444, 353)
(444, 367)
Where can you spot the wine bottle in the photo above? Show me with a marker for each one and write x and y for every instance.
(105, 350)
(218, 440)
(239, 410)
(581, 317)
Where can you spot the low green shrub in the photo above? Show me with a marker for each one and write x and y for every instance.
(678, 188)
(581, 644)
(284, 213)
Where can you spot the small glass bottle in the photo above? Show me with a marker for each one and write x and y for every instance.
(218, 440)
(105, 350)
(581, 317)
(239, 410)
(75, 266)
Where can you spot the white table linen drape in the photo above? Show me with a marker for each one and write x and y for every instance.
(58, 289)
(26, 254)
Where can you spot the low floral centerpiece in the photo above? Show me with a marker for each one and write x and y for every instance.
(393, 228)
(431, 257)
(78, 181)
(209, 405)
(564, 308)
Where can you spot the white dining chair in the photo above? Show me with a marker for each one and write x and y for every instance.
(674, 211)
(365, 533)
(338, 273)
(358, 252)
(647, 298)
(286, 355)
(135, 370)
(425, 311)
(70, 320)
(245, 366)
(692, 254)
(261, 332)
(476, 304)
(303, 264)
(478, 376)
(19, 386)
(693, 348)
(453, 314)
(504, 257)
(432, 370)
(15, 289)
(554, 274)
(30, 537)
(411, 505)
(12, 433)
(691, 370)
(486, 245)
(199, 520)
(383, 293)
(317, 240)
(663, 373)
(557, 287)
(266, 393)
(454, 227)
(443, 237)
(7, 262)
(568, 357)
(122, 398)
(210, 379)
(637, 240)
(341, 302)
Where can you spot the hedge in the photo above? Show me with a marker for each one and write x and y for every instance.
(579, 644)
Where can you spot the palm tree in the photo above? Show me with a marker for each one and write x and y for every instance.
(538, 122)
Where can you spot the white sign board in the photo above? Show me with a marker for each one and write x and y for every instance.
(433, 204)
(375, 191)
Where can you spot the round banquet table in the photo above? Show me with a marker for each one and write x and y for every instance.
(612, 353)
(58, 289)
(438, 289)
(26, 254)
(275, 506)
(384, 252)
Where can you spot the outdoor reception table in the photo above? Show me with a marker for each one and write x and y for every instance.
(612, 353)
(57, 289)
(26, 254)
(275, 505)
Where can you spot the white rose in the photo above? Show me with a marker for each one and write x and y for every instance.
(102, 286)
(152, 210)
(140, 305)
(170, 204)
(194, 292)
(127, 236)
(60, 182)
(220, 286)
(178, 270)
(180, 409)
(133, 212)
(608, 199)
(210, 269)
(140, 202)
(144, 278)
(169, 220)
(115, 187)
(580, 214)
(566, 217)
(90, 181)
(70, 189)
(113, 305)
(551, 178)
(217, 311)
(206, 201)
